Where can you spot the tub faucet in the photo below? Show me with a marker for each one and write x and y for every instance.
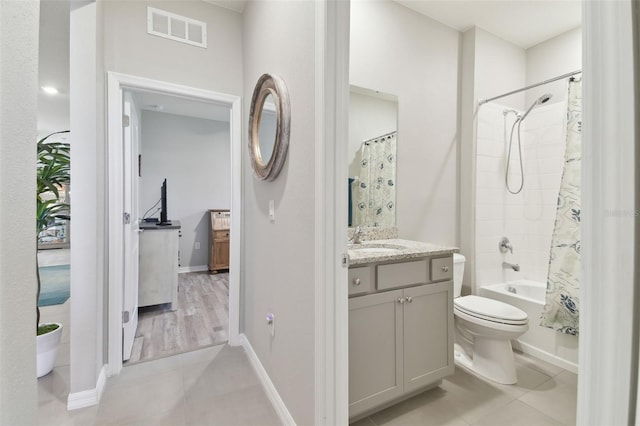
(357, 235)
(513, 266)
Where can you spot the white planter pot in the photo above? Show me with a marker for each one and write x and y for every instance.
(47, 348)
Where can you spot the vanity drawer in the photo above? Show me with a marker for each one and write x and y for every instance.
(359, 280)
(442, 268)
(403, 274)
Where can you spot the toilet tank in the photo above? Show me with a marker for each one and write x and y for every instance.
(458, 273)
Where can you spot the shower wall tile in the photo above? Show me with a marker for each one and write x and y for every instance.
(527, 219)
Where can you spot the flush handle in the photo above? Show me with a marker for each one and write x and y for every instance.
(356, 281)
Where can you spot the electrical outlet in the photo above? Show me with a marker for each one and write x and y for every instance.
(197, 245)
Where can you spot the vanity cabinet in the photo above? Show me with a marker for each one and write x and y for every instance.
(400, 339)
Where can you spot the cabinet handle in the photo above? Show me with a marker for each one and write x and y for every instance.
(445, 269)
(356, 281)
(401, 300)
(409, 299)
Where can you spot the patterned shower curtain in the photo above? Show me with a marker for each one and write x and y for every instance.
(374, 193)
(561, 310)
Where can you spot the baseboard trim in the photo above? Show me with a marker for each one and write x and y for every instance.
(545, 356)
(89, 397)
(267, 384)
(199, 268)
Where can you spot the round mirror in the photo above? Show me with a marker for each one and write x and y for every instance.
(269, 120)
(267, 129)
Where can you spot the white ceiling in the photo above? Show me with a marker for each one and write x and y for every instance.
(524, 23)
(53, 110)
(180, 106)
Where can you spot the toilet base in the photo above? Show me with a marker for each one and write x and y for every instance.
(492, 359)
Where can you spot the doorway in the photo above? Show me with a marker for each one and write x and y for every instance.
(159, 102)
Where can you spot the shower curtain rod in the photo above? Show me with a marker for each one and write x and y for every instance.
(551, 80)
(380, 137)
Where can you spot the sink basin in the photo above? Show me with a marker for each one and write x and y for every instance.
(373, 250)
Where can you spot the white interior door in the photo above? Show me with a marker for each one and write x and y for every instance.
(131, 150)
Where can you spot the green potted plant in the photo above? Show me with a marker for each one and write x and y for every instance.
(53, 174)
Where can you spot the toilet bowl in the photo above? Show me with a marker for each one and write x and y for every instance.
(484, 329)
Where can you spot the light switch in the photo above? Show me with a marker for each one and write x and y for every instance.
(272, 211)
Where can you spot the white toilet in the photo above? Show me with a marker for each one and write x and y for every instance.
(484, 329)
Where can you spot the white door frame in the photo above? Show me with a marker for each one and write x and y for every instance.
(331, 128)
(116, 84)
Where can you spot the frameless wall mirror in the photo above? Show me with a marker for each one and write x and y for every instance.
(373, 124)
(269, 124)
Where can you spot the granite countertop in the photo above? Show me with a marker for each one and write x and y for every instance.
(379, 251)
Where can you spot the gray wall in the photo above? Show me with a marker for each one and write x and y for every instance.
(113, 37)
(193, 154)
(396, 50)
(18, 106)
(278, 257)
(130, 50)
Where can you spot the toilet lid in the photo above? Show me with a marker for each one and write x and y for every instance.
(490, 310)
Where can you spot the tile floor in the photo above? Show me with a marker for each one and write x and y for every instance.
(211, 386)
(217, 386)
(544, 395)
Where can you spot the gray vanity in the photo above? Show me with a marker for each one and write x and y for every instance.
(400, 321)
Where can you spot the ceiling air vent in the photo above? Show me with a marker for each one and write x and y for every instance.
(175, 27)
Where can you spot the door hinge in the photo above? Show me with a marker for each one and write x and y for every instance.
(126, 218)
(125, 317)
(125, 121)
(345, 260)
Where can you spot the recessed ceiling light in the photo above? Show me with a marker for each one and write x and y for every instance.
(50, 90)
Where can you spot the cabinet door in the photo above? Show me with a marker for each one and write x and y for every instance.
(428, 334)
(221, 254)
(375, 350)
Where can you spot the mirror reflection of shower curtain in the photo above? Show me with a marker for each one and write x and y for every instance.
(561, 310)
(374, 194)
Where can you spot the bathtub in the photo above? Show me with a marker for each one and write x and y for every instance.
(541, 342)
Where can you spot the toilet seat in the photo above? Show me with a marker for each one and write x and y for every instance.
(490, 310)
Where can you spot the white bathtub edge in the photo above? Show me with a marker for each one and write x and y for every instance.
(544, 356)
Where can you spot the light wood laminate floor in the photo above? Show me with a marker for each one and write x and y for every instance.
(202, 319)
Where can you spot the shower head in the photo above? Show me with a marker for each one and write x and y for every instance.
(541, 100)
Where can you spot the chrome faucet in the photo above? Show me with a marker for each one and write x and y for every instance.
(505, 245)
(513, 266)
(357, 235)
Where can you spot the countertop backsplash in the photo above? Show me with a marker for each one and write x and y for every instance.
(375, 233)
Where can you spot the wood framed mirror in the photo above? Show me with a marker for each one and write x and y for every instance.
(269, 124)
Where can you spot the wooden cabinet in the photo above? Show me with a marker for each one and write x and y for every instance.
(400, 340)
(220, 221)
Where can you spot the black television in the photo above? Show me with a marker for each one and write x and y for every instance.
(163, 205)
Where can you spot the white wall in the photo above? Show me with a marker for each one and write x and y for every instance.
(554, 57)
(88, 161)
(278, 258)
(500, 68)
(130, 50)
(369, 117)
(490, 67)
(18, 106)
(398, 51)
(193, 154)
